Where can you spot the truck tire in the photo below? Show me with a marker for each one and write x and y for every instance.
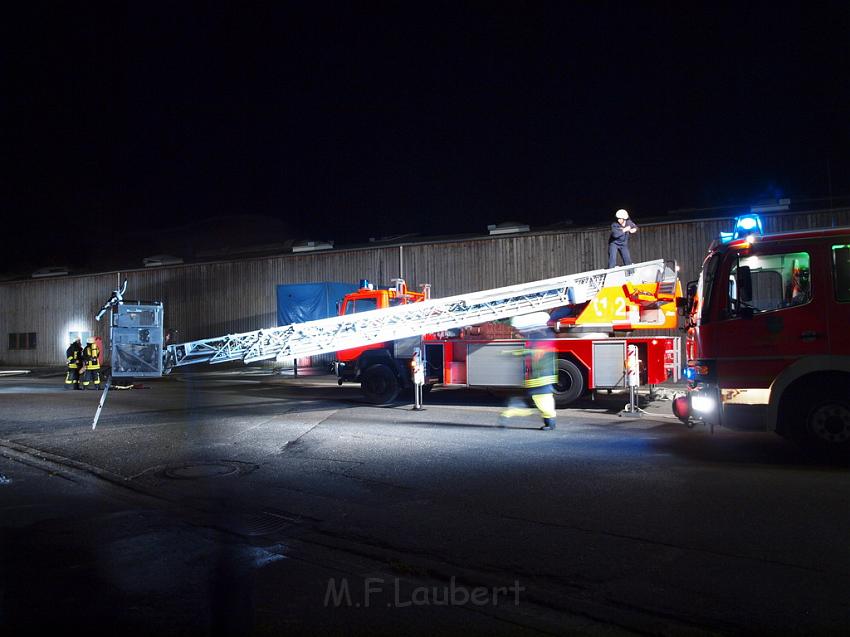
(379, 384)
(821, 419)
(570, 383)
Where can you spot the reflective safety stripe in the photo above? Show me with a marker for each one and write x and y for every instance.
(539, 382)
(90, 354)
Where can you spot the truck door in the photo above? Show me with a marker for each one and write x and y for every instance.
(839, 314)
(784, 319)
(353, 304)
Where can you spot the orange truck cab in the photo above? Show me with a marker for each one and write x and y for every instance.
(353, 364)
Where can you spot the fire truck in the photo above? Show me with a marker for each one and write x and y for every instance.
(459, 338)
(591, 336)
(768, 331)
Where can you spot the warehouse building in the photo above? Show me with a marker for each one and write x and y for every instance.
(206, 298)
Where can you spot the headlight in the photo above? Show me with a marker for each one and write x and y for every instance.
(703, 404)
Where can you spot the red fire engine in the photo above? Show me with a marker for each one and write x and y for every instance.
(591, 339)
(769, 325)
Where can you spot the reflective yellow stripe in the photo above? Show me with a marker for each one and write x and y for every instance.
(539, 382)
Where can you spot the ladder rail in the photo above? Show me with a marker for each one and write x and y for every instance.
(387, 324)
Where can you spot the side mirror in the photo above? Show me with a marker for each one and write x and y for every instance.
(686, 304)
(744, 284)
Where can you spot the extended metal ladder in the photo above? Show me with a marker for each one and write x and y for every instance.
(388, 324)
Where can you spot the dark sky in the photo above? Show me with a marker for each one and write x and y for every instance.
(346, 121)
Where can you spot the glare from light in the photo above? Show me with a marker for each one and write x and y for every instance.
(747, 223)
(703, 404)
(750, 224)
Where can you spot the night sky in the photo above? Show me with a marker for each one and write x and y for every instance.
(348, 121)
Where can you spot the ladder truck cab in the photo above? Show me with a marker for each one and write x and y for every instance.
(768, 326)
(380, 367)
(590, 330)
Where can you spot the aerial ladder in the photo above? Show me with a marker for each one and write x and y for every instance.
(423, 317)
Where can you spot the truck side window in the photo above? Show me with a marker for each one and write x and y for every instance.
(841, 272)
(778, 280)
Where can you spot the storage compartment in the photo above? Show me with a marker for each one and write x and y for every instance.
(456, 373)
(609, 359)
(495, 365)
(433, 363)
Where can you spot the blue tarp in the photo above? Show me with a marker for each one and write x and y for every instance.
(301, 302)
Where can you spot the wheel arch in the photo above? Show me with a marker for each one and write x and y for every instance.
(383, 357)
(823, 369)
(566, 398)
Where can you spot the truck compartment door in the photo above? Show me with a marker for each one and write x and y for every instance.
(495, 365)
(609, 364)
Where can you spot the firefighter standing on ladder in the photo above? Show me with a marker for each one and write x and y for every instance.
(618, 241)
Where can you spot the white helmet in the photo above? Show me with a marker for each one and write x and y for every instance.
(622, 214)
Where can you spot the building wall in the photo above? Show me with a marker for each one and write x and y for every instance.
(212, 299)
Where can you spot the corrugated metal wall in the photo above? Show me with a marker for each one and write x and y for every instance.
(206, 300)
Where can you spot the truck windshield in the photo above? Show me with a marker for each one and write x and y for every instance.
(360, 305)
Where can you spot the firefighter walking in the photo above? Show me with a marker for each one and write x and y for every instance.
(91, 361)
(74, 355)
(540, 374)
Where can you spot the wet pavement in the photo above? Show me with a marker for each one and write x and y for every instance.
(217, 504)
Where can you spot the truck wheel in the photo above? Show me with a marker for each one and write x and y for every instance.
(570, 383)
(822, 420)
(379, 384)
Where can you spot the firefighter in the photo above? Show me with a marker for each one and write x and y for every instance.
(540, 373)
(74, 355)
(799, 286)
(618, 241)
(91, 360)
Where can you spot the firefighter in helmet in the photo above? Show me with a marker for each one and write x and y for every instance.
(799, 286)
(74, 355)
(91, 360)
(618, 240)
(539, 370)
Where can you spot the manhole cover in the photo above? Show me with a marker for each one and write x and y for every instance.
(201, 470)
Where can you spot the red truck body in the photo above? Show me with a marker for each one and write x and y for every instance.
(479, 356)
(769, 326)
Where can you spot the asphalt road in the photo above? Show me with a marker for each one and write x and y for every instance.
(250, 504)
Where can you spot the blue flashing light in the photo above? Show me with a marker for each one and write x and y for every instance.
(689, 373)
(747, 224)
